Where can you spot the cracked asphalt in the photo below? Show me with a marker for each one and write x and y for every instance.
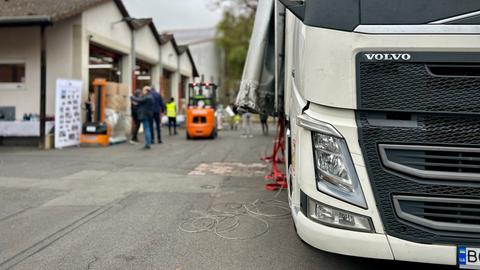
(121, 208)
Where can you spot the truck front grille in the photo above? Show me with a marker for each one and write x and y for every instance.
(440, 214)
(419, 130)
(433, 162)
(435, 130)
(412, 87)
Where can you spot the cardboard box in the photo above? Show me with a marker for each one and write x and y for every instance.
(116, 103)
(112, 88)
(122, 103)
(123, 90)
(109, 97)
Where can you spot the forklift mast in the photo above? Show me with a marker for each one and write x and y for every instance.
(206, 92)
(100, 96)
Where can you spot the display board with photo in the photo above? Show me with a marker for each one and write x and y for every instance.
(68, 125)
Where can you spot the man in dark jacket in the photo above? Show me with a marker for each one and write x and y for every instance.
(136, 122)
(158, 109)
(145, 113)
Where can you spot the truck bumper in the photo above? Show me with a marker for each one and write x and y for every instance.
(370, 245)
(340, 241)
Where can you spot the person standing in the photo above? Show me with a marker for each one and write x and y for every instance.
(136, 122)
(247, 125)
(219, 115)
(89, 108)
(145, 114)
(158, 109)
(172, 116)
(264, 121)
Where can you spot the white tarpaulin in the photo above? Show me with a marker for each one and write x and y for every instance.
(257, 88)
(68, 125)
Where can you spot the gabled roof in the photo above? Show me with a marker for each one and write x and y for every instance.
(154, 30)
(185, 49)
(34, 12)
(168, 37)
(139, 23)
(165, 38)
(41, 12)
(182, 49)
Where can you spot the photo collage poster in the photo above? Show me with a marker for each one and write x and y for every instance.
(68, 125)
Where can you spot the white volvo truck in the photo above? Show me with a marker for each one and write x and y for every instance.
(382, 109)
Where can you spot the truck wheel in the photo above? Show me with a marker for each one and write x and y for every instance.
(188, 136)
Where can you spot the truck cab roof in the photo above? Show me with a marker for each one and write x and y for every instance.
(346, 15)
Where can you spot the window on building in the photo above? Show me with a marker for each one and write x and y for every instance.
(12, 75)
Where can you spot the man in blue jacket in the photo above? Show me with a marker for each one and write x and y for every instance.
(158, 109)
(145, 113)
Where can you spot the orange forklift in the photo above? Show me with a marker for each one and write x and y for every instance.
(201, 121)
(96, 131)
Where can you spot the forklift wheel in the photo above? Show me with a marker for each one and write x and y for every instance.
(214, 134)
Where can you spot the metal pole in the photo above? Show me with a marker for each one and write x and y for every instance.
(179, 84)
(134, 63)
(43, 86)
(161, 89)
(277, 51)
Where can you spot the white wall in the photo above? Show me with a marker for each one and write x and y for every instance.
(104, 24)
(169, 57)
(147, 49)
(22, 44)
(146, 46)
(185, 65)
(60, 57)
(170, 63)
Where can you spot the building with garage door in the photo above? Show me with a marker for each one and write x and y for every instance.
(43, 41)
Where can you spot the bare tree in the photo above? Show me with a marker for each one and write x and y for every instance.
(233, 37)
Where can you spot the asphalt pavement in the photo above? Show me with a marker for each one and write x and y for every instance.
(185, 204)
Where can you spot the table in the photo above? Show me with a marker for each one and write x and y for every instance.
(23, 128)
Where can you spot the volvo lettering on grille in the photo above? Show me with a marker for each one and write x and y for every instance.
(388, 56)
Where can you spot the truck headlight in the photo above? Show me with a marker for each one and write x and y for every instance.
(334, 170)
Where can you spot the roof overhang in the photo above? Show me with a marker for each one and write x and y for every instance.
(154, 30)
(25, 21)
(194, 66)
(165, 38)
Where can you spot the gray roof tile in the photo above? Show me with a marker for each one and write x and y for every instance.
(56, 9)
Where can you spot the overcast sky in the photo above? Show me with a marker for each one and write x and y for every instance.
(176, 14)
